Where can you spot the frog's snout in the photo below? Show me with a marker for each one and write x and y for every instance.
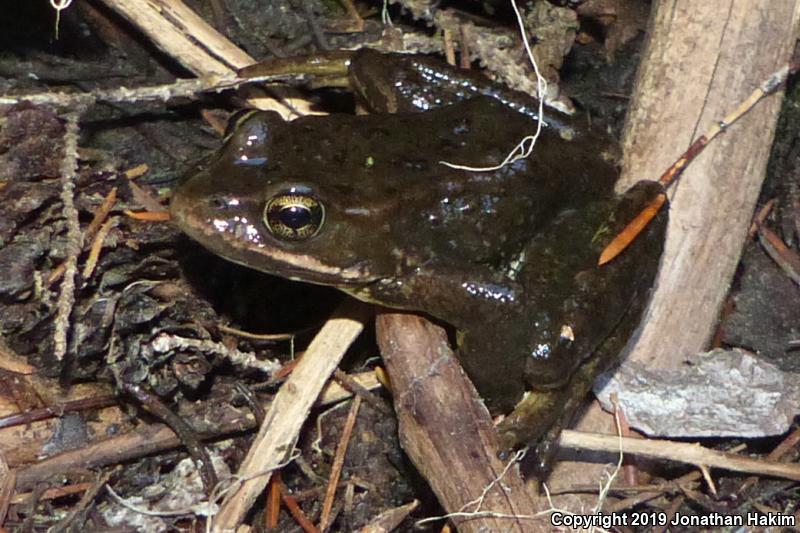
(180, 206)
(192, 201)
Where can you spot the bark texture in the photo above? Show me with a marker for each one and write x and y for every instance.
(700, 60)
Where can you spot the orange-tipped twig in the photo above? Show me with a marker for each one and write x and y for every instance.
(671, 175)
(632, 230)
(97, 247)
(101, 214)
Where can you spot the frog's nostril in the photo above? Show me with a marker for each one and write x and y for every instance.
(219, 202)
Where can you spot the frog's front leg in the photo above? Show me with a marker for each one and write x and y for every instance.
(484, 308)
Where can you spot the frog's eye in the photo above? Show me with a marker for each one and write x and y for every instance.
(294, 217)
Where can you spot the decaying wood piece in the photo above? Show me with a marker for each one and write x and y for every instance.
(182, 34)
(179, 32)
(701, 59)
(447, 431)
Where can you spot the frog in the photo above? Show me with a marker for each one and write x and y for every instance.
(406, 207)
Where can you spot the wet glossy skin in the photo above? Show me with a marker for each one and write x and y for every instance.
(507, 257)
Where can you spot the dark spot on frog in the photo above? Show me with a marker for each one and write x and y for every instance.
(344, 189)
(461, 128)
(415, 164)
(219, 202)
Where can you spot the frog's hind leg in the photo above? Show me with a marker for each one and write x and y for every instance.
(538, 419)
(623, 289)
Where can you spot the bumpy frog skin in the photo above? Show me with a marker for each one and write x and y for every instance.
(508, 257)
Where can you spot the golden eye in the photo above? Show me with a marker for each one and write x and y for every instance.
(294, 217)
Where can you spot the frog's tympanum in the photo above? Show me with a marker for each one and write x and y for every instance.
(508, 257)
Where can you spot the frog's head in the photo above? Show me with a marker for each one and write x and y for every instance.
(266, 201)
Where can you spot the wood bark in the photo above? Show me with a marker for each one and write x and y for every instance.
(701, 59)
(446, 430)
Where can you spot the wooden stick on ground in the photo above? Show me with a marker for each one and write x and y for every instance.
(276, 438)
(447, 431)
(180, 33)
(679, 451)
(149, 439)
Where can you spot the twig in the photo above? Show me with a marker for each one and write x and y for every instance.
(53, 493)
(289, 410)
(134, 172)
(390, 519)
(181, 428)
(776, 454)
(32, 415)
(166, 342)
(671, 175)
(651, 492)
(708, 479)
(74, 245)
(679, 452)
(250, 398)
(149, 439)
(446, 430)
(145, 198)
(357, 23)
(100, 214)
(8, 480)
(313, 25)
(786, 445)
(358, 389)
(99, 217)
(153, 93)
(148, 216)
(760, 218)
(256, 336)
(182, 34)
(338, 463)
(787, 259)
(86, 499)
(178, 31)
(272, 508)
(13, 362)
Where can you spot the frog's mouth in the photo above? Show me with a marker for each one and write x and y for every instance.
(238, 244)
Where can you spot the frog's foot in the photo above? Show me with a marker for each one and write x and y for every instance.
(540, 416)
(323, 69)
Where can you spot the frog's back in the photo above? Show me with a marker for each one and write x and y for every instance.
(394, 165)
